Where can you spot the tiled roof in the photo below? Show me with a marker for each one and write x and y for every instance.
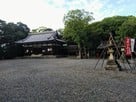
(41, 37)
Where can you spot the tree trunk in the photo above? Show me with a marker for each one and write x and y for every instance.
(80, 52)
(85, 53)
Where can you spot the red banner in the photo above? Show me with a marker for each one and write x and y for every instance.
(128, 46)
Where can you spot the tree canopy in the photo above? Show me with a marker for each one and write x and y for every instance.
(10, 32)
(75, 22)
(79, 29)
(120, 26)
(41, 29)
(128, 28)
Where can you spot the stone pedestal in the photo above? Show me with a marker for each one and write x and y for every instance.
(111, 65)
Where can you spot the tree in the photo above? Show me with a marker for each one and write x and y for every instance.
(9, 33)
(94, 35)
(111, 24)
(22, 30)
(41, 29)
(2, 26)
(128, 28)
(120, 26)
(12, 32)
(75, 22)
(99, 31)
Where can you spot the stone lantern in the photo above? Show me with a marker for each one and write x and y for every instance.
(111, 65)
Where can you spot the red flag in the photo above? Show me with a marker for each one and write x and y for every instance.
(127, 46)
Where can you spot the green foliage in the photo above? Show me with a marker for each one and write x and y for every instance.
(122, 26)
(94, 35)
(61, 31)
(76, 22)
(111, 24)
(9, 33)
(128, 28)
(41, 29)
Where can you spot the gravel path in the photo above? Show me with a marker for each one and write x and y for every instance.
(63, 80)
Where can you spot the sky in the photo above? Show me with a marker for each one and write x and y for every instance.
(50, 13)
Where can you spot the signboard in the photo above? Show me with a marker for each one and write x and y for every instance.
(128, 46)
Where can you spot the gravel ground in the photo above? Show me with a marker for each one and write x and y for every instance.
(63, 80)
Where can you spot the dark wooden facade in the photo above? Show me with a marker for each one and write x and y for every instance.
(46, 43)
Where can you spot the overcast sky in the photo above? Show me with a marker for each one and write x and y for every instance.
(50, 13)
